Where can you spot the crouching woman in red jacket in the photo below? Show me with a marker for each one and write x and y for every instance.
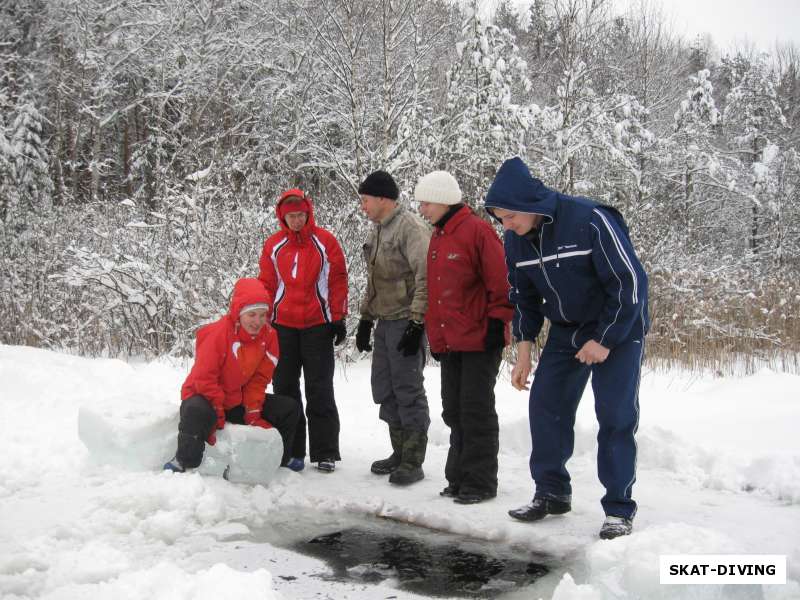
(235, 358)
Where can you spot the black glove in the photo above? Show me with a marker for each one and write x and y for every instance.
(495, 335)
(412, 336)
(339, 332)
(363, 334)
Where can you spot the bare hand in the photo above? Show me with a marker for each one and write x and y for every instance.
(592, 353)
(520, 374)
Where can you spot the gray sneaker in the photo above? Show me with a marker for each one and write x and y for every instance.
(614, 527)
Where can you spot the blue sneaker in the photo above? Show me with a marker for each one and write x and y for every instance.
(296, 464)
(174, 465)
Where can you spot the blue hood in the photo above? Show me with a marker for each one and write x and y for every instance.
(515, 189)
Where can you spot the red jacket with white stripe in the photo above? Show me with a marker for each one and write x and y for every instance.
(467, 284)
(304, 272)
(232, 367)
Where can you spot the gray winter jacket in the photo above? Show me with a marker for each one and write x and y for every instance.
(396, 254)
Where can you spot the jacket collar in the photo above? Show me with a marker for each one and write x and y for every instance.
(454, 218)
(391, 216)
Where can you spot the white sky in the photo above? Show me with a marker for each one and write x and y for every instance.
(761, 22)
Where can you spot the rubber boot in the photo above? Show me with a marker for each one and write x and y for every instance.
(415, 443)
(388, 465)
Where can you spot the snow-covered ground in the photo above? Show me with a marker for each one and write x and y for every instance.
(719, 473)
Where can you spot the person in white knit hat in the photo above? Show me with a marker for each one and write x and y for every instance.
(467, 323)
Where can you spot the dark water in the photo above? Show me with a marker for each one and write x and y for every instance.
(421, 561)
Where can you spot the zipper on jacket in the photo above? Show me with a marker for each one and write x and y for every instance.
(372, 263)
(546, 278)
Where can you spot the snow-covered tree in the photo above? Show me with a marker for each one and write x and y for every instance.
(169, 128)
(568, 135)
(754, 120)
(482, 123)
(573, 129)
(8, 188)
(31, 157)
(693, 153)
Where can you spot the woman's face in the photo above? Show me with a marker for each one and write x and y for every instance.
(433, 212)
(296, 220)
(253, 320)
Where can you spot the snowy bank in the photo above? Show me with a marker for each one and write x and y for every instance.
(718, 474)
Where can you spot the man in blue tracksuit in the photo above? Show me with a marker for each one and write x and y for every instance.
(571, 260)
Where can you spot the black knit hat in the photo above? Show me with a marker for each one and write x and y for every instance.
(379, 184)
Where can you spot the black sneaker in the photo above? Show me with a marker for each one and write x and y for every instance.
(473, 497)
(326, 465)
(614, 527)
(539, 508)
(450, 491)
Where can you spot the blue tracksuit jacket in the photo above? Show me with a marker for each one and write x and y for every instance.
(580, 271)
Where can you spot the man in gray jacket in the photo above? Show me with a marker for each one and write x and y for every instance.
(397, 297)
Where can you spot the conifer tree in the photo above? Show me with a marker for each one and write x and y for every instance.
(31, 157)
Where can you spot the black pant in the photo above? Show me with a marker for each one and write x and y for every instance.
(468, 380)
(311, 350)
(198, 418)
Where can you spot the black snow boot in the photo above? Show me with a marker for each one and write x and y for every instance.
(389, 465)
(415, 443)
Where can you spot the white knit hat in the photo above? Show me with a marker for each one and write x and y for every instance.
(438, 187)
(252, 307)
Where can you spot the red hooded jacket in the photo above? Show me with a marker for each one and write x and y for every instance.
(467, 284)
(304, 271)
(231, 367)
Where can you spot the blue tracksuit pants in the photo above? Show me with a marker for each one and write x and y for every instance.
(557, 387)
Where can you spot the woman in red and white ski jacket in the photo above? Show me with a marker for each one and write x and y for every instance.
(304, 270)
(231, 366)
(303, 267)
(235, 359)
